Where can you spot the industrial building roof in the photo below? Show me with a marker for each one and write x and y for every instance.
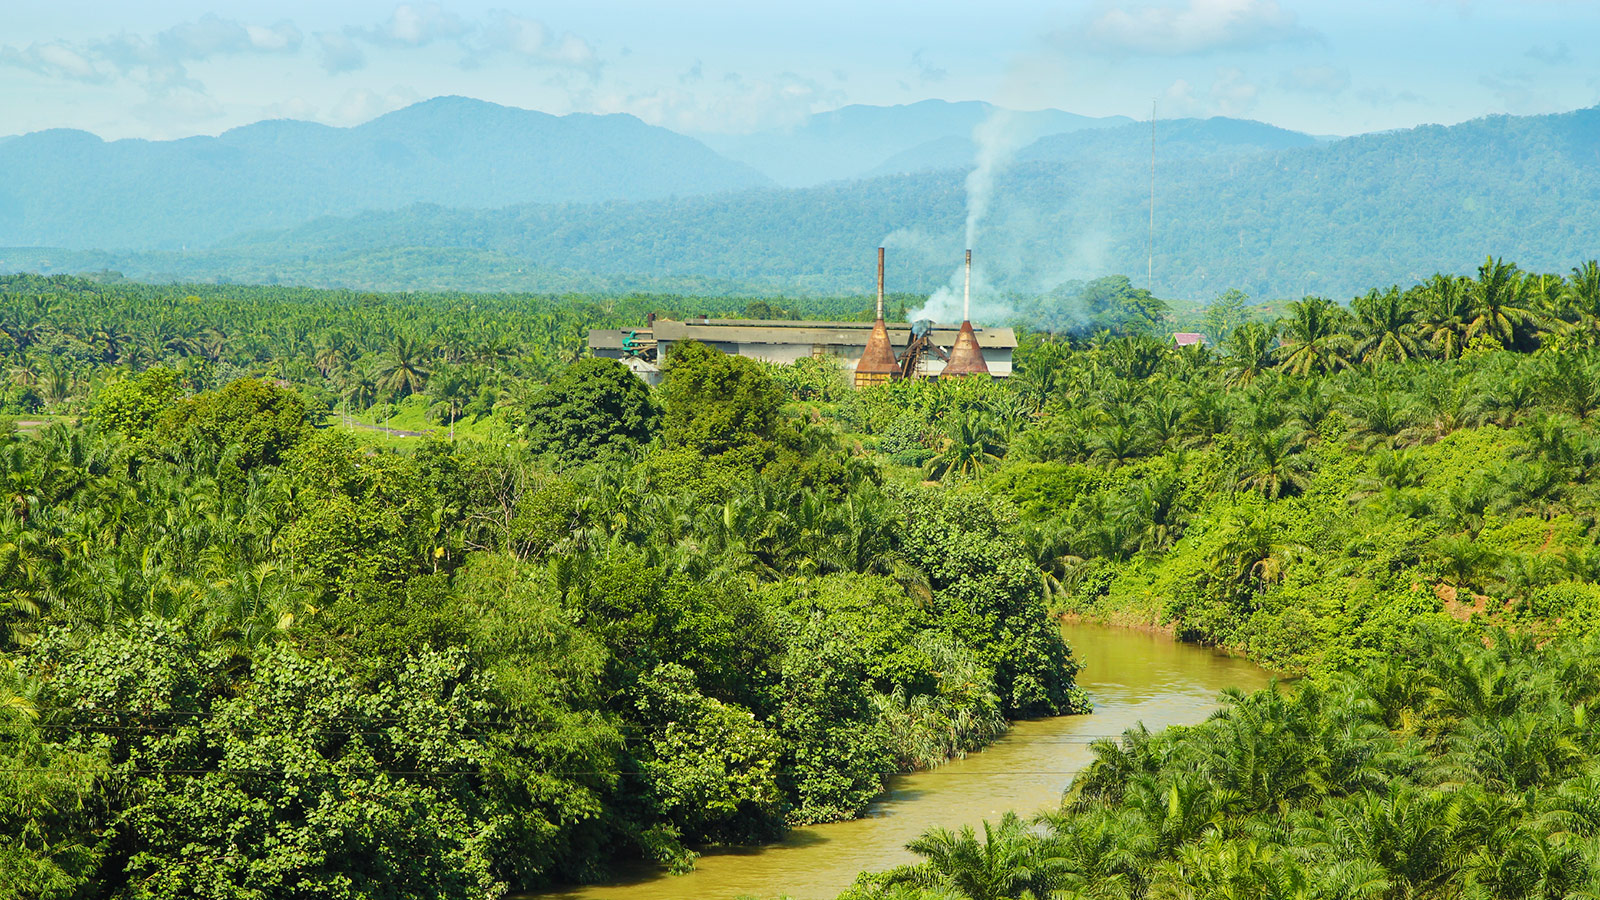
(768, 331)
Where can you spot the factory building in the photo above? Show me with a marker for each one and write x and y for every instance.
(875, 352)
(785, 341)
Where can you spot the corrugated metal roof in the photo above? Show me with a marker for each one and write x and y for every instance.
(756, 331)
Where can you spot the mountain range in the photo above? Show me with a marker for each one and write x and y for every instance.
(71, 189)
(1239, 204)
(856, 141)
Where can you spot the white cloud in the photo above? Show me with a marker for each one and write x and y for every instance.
(1550, 56)
(177, 105)
(279, 38)
(339, 53)
(54, 60)
(1194, 27)
(362, 105)
(735, 105)
(1316, 79)
(927, 71)
(533, 42)
(1233, 93)
(159, 61)
(293, 108)
(1179, 101)
(417, 25)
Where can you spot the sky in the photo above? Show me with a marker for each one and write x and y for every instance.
(162, 70)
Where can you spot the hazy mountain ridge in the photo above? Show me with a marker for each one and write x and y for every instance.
(71, 189)
(858, 141)
(1176, 139)
(1239, 204)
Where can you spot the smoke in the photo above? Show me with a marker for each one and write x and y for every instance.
(944, 305)
(997, 139)
(1040, 251)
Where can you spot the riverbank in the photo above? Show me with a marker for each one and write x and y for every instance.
(1133, 676)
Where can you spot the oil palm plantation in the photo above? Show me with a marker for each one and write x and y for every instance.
(1008, 863)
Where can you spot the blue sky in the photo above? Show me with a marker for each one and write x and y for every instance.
(170, 69)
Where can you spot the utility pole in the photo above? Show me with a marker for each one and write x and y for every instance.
(1150, 274)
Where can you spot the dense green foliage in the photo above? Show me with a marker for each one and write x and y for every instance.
(464, 357)
(1397, 499)
(247, 654)
(638, 622)
(1311, 490)
(1458, 770)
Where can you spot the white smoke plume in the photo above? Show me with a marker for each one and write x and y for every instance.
(996, 140)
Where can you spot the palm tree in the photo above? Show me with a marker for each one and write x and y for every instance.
(450, 393)
(1273, 464)
(1313, 341)
(58, 382)
(1009, 863)
(333, 354)
(214, 342)
(1250, 352)
(1387, 324)
(1446, 310)
(970, 445)
(1381, 414)
(1251, 550)
(404, 371)
(1499, 302)
(1581, 302)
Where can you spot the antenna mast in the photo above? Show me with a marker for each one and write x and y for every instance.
(1150, 274)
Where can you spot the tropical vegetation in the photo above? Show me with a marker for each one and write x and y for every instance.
(573, 620)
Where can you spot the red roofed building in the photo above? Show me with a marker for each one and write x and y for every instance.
(1188, 338)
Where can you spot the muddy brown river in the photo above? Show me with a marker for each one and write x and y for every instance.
(1133, 677)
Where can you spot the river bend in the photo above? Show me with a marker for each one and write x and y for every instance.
(1133, 676)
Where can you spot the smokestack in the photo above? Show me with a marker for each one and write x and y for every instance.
(966, 292)
(880, 284)
(877, 363)
(966, 357)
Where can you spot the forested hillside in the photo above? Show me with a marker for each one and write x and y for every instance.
(1329, 219)
(855, 141)
(69, 189)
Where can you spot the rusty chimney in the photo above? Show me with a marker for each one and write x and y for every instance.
(877, 362)
(966, 357)
(966, 291)
(880, 284)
